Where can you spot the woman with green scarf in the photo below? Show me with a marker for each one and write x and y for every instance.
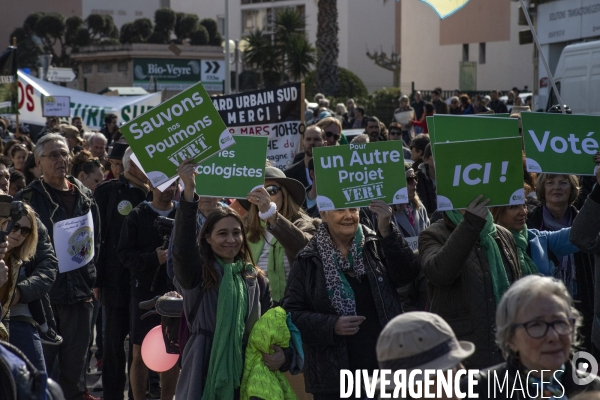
(277, 227)
(538, 250)
(469, 262)
(224, 294)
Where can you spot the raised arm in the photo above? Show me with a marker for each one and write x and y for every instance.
(585, 232)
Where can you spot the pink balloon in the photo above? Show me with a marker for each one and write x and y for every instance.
(154, 352)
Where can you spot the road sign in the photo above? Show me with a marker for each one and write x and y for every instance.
(213, 75)
(61, 74)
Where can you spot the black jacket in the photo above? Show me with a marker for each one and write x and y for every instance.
(115, 199)
(105, 132)
(137, 251)
(390, 263)
(492, 378)
(498, 107)
(584, 275)
(297, 172)
(40, 271)
(425, 190)
(73, 286)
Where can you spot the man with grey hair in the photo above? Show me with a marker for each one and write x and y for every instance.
(96, 145)
(59, 197)
(115, 199)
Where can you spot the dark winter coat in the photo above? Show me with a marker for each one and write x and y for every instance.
(137, 251)
(460, 284)
(584, 273)
(426, 189)
(390, 263)
(585, 234)
(73, 286)
(115, 199)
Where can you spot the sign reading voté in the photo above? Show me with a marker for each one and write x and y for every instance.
(560, 143)
(356, 174)
(185, 126)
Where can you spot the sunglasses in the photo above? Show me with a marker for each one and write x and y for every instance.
(330, 134)
(412, 180)
(395, 133)
(273, 190)
(25, 231)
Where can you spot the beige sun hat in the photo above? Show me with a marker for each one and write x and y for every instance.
(420, 340)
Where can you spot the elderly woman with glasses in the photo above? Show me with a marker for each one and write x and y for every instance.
(341, 292)
(277, 227)
(537, 330)
(332, 129)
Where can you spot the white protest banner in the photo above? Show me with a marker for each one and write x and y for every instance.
(270, 112)
(56, 106)
(74, 242)
(90, 107)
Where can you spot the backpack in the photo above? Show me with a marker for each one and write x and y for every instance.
(20, 380)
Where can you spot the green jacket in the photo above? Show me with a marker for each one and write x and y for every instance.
(258, 380)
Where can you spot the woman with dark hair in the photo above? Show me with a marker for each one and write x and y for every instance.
(465, 102)
(417, 149)
(277, 226)
(18, 155)
(17, 182)
(224, 294)
(556, 194)
(87, 169)
(31, 170)
(429, 111)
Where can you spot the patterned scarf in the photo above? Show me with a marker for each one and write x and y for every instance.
(528, 267)
(565, 270)
(408, 210)
(334, 265)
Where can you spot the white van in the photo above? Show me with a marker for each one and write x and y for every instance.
(577, 78)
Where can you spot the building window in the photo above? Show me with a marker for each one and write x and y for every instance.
(481, 53)
(221, 24)
(465, 52)
(264, 19)
(105, 67)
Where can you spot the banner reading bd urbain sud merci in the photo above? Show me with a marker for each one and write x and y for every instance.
(236, 171)
(354, 175)
(275, 113)
(185, 126)
(560, 144)
(490, 167)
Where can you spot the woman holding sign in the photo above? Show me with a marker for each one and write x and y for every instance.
(224, 294)
(277, 226)
(469, 262)
(557, 193)
(341, 292)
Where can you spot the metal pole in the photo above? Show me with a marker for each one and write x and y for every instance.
(17, 133)
(237, 61)
(227, 87)
(542, 56)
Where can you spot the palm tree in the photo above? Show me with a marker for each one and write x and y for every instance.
(328, 48)
(300, 56)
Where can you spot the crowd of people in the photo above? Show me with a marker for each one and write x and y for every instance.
(509, 288)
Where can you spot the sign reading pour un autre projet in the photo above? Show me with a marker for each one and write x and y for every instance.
(561, 144)
(185, 126)
(356, 174)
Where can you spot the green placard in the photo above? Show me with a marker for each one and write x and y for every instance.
(9, 91)
(235, 172)
(493, 168)
(354, 175)
(185, 126)
(560, 144)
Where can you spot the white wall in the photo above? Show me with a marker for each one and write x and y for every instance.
(430, 65)
(122, 11)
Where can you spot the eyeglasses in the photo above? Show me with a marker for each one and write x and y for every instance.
(538, 329)
(273, 190)
(412, 180)
(55, 156)
(330, 134)
(395, 133)
(25, 230)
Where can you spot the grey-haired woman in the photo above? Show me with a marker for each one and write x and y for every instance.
(537, 331)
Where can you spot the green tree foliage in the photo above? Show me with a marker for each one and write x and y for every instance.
(351, 86)
(199, 37)
(136, 32)
(288, 54)
(164, 20)
(186, 25)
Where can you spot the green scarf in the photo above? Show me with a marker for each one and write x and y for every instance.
(494, 257)
(225, 367)
(528, 267)
(275, 265)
